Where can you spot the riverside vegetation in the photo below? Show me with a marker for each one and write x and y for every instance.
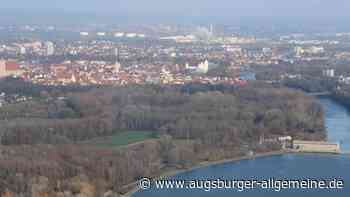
(47, 143)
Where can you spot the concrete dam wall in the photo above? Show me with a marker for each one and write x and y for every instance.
(316, 147)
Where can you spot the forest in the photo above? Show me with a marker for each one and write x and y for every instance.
(42, 151)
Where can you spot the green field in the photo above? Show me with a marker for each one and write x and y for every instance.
(124, 138)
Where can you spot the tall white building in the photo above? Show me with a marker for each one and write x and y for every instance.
(117, 67)
(211, 29)
(50, 48)
(117, 64)
(22, 50)
(203, 67)
(116, 53)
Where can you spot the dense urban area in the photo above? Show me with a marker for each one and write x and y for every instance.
(86, 112)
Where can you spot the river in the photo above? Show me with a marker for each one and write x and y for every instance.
(290, 166)
(337, 122)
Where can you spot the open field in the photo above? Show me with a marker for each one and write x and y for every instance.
(122, 139)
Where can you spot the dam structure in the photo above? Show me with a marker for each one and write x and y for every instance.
(316, 147)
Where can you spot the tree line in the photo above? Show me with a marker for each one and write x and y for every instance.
(196, 123)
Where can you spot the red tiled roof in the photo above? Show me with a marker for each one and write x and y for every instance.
(12, 66)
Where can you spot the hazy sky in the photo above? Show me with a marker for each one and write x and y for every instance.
(221, 9)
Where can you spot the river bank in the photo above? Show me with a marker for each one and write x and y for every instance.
(336, 124)
(133, 187)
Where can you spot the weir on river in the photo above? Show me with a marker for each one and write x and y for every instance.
(316, 147)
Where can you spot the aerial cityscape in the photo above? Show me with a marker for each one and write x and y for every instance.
(189, 98)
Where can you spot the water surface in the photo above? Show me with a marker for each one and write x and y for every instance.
(337, 122)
